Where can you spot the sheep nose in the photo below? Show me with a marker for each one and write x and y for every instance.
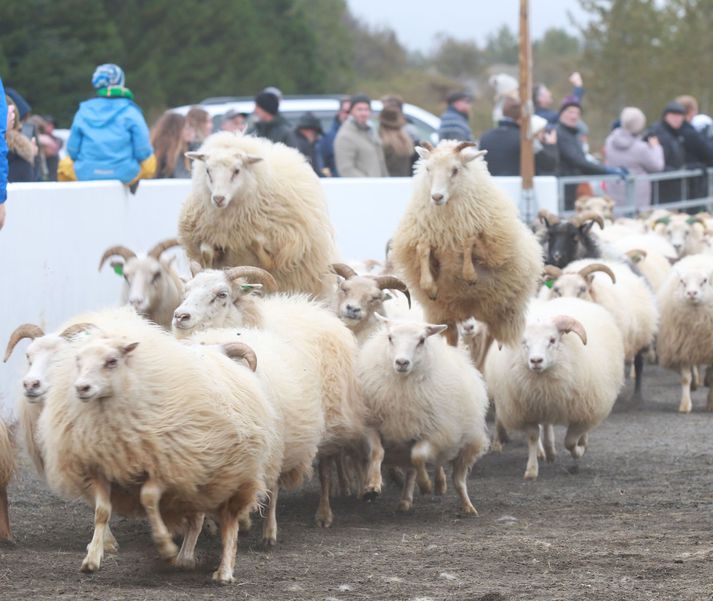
(83, 388)
(353, 311)
(536, 361)
(30, 385)
(692, 293)
(402, 363)
(136, 302)
(437, 197)
(181, 316)
(219, 200)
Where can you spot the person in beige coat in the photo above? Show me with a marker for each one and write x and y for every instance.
(357, 147)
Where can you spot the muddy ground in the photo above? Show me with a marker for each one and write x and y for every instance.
(634, 521)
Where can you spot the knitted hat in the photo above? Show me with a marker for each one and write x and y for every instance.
(391, 118)
(268, 102)
(309, 121)
(674, 107)
(632, 120)
(359, 99)
(456, 96)
(107, 75)
(570, 101)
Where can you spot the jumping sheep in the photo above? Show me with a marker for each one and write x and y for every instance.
(7, 468)
(461, 247)
(258, 203)
(553, 377)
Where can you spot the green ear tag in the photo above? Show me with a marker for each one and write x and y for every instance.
(119, 269)
(249, 287)
(549, 283)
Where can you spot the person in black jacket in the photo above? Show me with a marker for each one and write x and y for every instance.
(699, 150)
(270, 124)
(668, 132)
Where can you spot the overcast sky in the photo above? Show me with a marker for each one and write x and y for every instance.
(417, 21)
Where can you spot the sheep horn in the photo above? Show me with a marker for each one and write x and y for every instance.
(636, 254)
(240, 350)
(547, 217)
(426, 144)
(462, 146)
(582, 218)
(122, 251)
(590, 269)
(77, 328)
(26, 330)
(158, 250)
(552, 271)
(699, 220)
(390, 282)
(344, 270)
(566, 324)
(255, 273)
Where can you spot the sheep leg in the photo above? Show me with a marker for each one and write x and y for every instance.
(441, 481)
(5, 532)
(207, 256)
(686, 405)
(469, 274)
(451, 333)
(406, 502)
(695, 378)
(426, 282)
(102, 515)
(533, 439)
(550, 452)
(150, 498)
(269, 525)
(461, 466)
(540, 447)
(375, 456)
(638, 373)
(343, 480)
(110, 543)
(324, 514)
(489, 339)
(421, 452)
(575, 440)
(229, 535)
(186, 558)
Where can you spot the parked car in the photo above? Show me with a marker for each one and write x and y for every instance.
(323, 107)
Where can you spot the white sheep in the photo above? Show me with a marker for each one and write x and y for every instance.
(7, 469)
(215, 299)
(462, 249)
(427, 401)
(152, 285)
(567, 370)
(683, 231)
(651, 255)
(184, 430)
(686, 332)
(258, 203)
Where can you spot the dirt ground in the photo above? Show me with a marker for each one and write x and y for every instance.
(634, 521)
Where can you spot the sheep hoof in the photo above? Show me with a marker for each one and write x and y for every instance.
(111, 547)
(404, 506)
(469, 509)
(221, 578)
(370, 496)
(685, 408)
(184, 563)
(168, 550)
(324, 521)
(89, 566)
(269, 541)
(577, 451)
(530, 474)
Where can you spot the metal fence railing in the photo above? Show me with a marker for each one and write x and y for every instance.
(677, 190)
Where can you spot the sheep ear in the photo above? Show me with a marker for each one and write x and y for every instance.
(469, 153)
(196, 268)
(252, 159)
(435, 329)
(422, 152)
(196, 156)
(126, 349)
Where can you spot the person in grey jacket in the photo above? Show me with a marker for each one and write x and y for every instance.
(357, 147)
(625, 147)
(454, 122)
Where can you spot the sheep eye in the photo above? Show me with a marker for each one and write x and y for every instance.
(156, 276)
(421, 340)
(553, 340)
(391, 339)
(705, 281)
(222, 294)
(235, 173)
(111, 363)
(455, 171)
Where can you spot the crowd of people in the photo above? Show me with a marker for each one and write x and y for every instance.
(110, 139)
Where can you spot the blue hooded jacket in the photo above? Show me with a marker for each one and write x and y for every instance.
(3, 146)
(108, 140)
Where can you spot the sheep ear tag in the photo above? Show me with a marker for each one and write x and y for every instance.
(549, 283)
(118, 269)
(250, 287)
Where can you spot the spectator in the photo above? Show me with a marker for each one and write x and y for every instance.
(199, 126)
(703, 124)
(234, 121)
(394, 101)
(543, 100)
(326, 143)
(544, 145)
(668, 132)
(309, 129)
(50, 145)
(21, 151)
(572, 160)
(454, 121)
(396, 142)
(109, 138)
(699, 152)
(357, 147)
(169, 138)
(6, 118)
(625, 147)
(269, 123)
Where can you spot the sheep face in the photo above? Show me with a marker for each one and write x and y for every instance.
(100, 364)
(357, 300)
(407, 343)
(225, 175)
(208, 299)
(572, 285)
(542, 341)
(444, 169)
(694, 287)
(677, 232)
(601, 205)
(567, 242)
(144, 277)
(40, 355)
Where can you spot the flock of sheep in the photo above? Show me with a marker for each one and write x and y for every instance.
(207, 394)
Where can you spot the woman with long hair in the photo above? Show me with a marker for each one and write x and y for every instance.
(199, 125)
(169, 138)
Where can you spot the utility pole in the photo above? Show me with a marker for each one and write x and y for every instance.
(527, 161)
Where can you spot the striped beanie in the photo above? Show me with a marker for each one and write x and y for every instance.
(107, 75)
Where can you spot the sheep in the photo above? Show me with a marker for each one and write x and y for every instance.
(649, 253)
(7, 468)
(460, 246)
(686, 331)
(427, 401)
(624, 294)
(551, 377)
(567, 241)
(213, 299)
(601, 205)
(684, 232)
(183, 429)
(152, 288)
(258, 203)
(293, 385)
(360, 297)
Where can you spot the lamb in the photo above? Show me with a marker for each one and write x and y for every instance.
(7, 468)
(625, 295)
(293, 385)
(460, 246)
(258, 203)
(153, 288)
(567, 241)
(427, 401)
(551, 377)
(214, 299)
(183, 429)
(686, 331)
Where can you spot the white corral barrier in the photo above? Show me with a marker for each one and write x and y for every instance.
(55, 235)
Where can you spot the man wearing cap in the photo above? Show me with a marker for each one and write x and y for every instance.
(268, 121)
(357, 147)
(234, 121)
(454, 121)
(308, 131)
(109, 138)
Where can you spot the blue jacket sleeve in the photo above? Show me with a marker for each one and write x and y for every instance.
(3, 145)
(74, 143)
(140, 136)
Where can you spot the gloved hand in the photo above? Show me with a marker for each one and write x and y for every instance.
(622, 172)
